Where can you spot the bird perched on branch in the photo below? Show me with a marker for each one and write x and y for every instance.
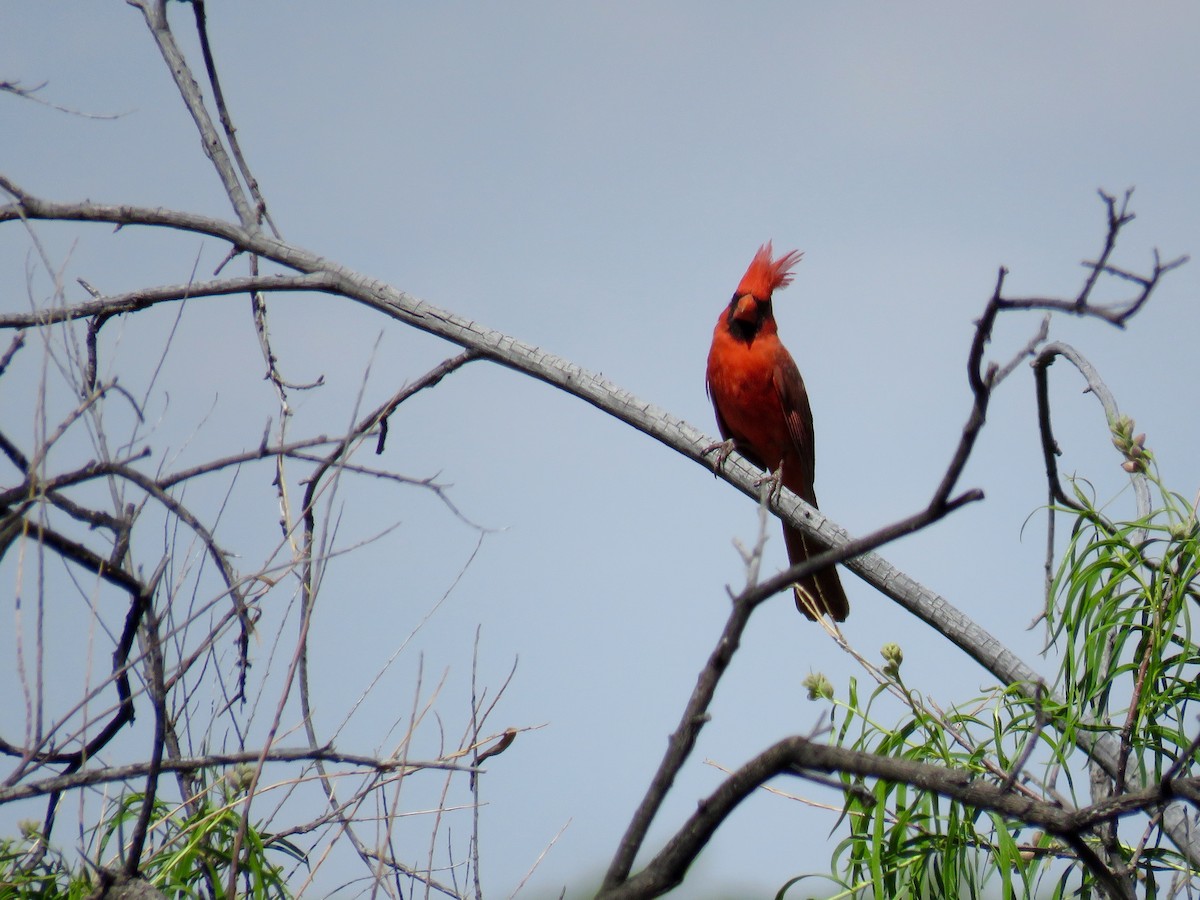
(762, 410)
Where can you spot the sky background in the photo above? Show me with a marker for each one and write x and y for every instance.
(593, 179)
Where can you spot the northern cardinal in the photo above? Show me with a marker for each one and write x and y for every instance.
(762, 408)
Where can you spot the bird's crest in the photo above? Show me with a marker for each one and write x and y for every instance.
(766, 274)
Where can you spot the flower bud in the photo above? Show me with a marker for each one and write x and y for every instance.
(818, 686)
(30, 829)
(1132, 447)
(1122, 430)
(240, 778)
(892, 657)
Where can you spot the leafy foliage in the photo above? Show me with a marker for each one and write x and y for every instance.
(190, 855)
(1124, 624)
(1120, 623)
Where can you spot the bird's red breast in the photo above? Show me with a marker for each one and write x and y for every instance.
(762, 406)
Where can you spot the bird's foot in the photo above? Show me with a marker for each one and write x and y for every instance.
(721, 449)
(775, 482)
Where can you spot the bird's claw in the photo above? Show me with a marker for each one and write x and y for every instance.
(722, 449)
(775, 480)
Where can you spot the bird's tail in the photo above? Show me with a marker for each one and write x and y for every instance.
(820, 593)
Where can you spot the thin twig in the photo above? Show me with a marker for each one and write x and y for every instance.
(155, 14)
(18, 341)
(155, 681)
(29, 93)
(144, 298)
(210, 67)
(695, 715)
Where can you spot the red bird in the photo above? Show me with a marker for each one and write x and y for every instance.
(762, 408)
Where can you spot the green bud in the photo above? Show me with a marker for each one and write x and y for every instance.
(30, 829)
(1122, 430)
(1181, 531)
(240, 778)
(892, 657)
(1131, 446)
(818, 686)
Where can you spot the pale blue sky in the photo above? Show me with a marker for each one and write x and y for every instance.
(593, 179)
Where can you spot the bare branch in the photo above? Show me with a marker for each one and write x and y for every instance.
(1117, 313)
(335, 461)
(155, 679)
(155, 13)
(800, 756)
(18, 341)
(133, 301)
(30, 93)
(695, 716)
(210, 67)
(129, 771)
(75, 552)
(1096, 386)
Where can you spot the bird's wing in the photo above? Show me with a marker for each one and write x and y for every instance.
(793, 398)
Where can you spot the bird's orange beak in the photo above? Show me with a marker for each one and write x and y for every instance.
(746, 309)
